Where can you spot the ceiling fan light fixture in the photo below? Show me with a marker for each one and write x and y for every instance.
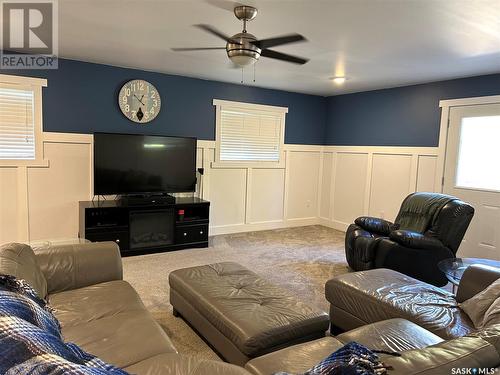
(243, 60)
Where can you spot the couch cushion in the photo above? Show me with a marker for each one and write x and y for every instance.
(393, 335)
(121, 339)
(252, 313)
(177, 364)
(380, 294)
(19, 260)
(85, 305)
(447, 357)
(294, 359)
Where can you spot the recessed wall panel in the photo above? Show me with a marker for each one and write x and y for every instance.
(390, 184)
(349, 189)
(267, 194)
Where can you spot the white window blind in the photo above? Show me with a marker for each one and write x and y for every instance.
(17, 128)
(248, 135)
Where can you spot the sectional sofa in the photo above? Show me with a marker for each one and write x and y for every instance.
(104, 315)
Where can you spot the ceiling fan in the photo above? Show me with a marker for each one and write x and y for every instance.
(244, 48)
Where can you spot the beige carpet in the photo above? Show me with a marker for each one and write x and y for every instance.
(299, 259)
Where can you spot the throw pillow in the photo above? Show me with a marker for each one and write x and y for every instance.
(476, 306)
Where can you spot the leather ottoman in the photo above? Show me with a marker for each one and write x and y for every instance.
(241, 315)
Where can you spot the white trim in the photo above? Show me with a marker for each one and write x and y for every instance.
(398, 150)
(492, 99)
(52, 137)
(22, 80)
(23, 229)
(266, 225)
(303, 148)
(202, 143)
(248, 197)
(254, 165)
(258, 107)
(443, 136)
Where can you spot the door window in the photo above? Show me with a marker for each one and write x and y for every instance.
(478, 165)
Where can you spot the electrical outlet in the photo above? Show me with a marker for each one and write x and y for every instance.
(382, 214)
(308, 203)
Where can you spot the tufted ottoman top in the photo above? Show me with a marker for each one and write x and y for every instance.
(252, 313)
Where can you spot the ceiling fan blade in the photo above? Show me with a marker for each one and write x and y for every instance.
(196, 49)
(278, 41)
(212, 30)
(283, 56)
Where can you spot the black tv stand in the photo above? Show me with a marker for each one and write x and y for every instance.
(147, 225)
(146, 199)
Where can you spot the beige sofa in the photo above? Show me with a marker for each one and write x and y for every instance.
(100, 311)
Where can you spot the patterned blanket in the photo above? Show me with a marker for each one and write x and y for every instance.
(31, 341)
(351, 359)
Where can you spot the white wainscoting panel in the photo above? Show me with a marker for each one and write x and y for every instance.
(426, 173)
(326, 185)
(266, 198)
(303, 170)
(349, 187)
(373, 180)
(227, 197)
(9, 214)
(390, 184)
(329, 185)
(54, 192)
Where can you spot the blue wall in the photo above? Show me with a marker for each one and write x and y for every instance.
(82, 97)
(403, 116)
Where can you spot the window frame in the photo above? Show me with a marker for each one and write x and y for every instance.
(35, 84)
(226, 104)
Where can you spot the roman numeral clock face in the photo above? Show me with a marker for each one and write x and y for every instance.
(139, 101)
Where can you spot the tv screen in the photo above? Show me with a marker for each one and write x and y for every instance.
(138, 164)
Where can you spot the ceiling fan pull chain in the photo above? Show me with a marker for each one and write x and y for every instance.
(254, 71)
(241, 74)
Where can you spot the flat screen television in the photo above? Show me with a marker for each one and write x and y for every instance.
(128, 164)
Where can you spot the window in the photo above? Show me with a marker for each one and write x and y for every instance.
(249, 133)
(479, 154)
(20, 120)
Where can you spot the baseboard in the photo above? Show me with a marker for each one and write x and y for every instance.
(334, 224)
(251, 227)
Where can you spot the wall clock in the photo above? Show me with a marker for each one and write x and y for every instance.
(139, 101)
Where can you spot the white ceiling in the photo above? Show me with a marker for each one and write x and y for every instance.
(375, 43)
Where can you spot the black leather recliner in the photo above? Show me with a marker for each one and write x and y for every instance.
(428, 228)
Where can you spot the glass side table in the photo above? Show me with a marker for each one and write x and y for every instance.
(454, 268)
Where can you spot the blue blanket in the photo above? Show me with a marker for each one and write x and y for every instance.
(31, 341)
(351, 359)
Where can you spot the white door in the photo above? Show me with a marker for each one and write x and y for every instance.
(472, 173)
